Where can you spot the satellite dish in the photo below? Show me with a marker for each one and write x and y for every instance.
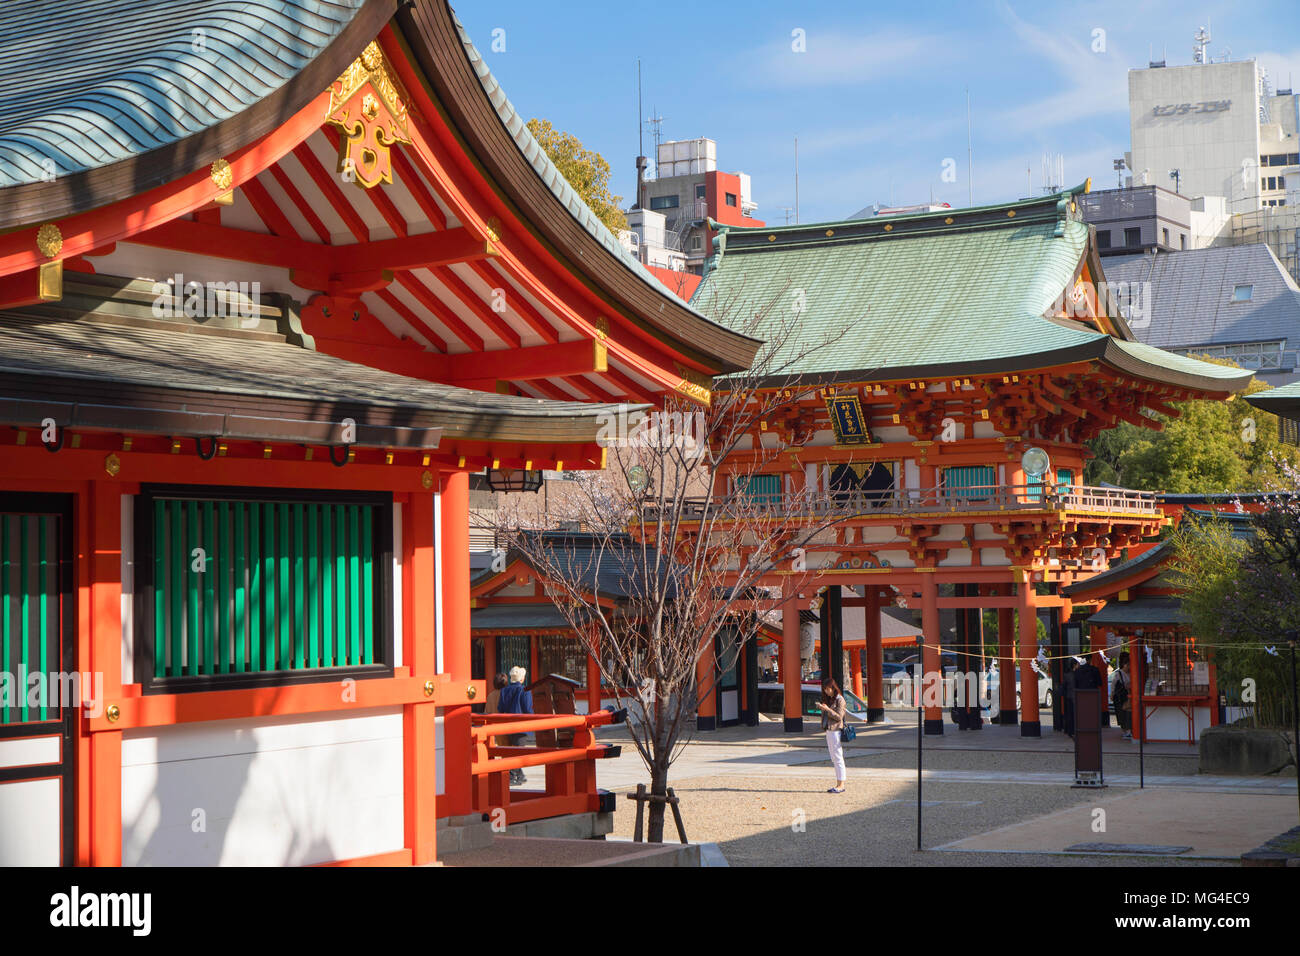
(1035, 462)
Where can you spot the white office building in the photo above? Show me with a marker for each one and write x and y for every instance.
(1221, 127)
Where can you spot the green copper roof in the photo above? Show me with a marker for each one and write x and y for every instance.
(88, 83)
(957, 291)
(1284, 401)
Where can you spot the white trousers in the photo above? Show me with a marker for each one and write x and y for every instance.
(836, 748)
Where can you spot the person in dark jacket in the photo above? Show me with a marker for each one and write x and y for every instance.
(516, 699)
(1067, 684)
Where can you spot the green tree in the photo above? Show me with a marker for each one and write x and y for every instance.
(1243, 597)
(1212, 446)
(587, 171)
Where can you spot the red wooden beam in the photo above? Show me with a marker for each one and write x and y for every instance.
(526, 364)
(429, 250)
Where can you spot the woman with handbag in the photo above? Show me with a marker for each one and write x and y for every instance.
(834, 715)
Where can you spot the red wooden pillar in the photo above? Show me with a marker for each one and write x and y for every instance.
(105, 521)
(1006, 662)
(875, 658)
(932, 664)
(1028, 650)
(706, 677)
(790, 670)
(454, 527)
(855, 665)
(419, 727)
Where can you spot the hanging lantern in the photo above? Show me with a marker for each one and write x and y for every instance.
(514, 479)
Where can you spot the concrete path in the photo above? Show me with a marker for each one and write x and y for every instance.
(1213, 825)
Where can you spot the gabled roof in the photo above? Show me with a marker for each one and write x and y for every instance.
(1284, 401)
(950, 292)
(1192, 291)
(122, 96)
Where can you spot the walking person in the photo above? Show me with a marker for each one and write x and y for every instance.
(516, 699)
(1122, 697)
(834, 713)
(1067, 685)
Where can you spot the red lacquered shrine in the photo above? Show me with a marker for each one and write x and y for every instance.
(954, 364)
(273, 283)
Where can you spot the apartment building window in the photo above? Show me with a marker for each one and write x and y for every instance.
(1164, 235)
(1182, 240)
(1272, 182)
(1133, 236)
(663, 202)
(1281, 182)
(700, 191)
(1243, 293)
(1103, 238)
(731, 199)
(697, 242)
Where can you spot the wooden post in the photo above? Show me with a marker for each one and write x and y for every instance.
(1006, 662)
(875, 659)
(677, 814)
(1028, 651)
(790, 671)
(931, 682)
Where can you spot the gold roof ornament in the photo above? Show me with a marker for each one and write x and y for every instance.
(369, 106)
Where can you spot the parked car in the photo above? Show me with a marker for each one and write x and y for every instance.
(771, 701)
(1045, 696)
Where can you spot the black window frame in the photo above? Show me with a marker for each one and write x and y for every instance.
(143, 589)
(658, 203)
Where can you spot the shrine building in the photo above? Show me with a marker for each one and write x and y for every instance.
(944, 370)
(275, 278)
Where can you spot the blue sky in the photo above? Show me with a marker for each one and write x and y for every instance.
(877, 98)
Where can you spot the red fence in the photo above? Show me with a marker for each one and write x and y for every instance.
(570, 771)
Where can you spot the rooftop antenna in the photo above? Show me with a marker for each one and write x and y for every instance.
(970, 168)
(796, 180)
(1199, 44)
(657, 122)
(787, 210)
(641, 161)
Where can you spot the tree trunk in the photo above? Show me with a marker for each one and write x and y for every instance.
(659, 788)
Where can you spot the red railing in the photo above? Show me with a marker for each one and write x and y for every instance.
(570, 771)
(926, 501)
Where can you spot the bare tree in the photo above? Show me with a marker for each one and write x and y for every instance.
(695, 551)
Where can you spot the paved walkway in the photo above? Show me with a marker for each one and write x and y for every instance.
(991, 798)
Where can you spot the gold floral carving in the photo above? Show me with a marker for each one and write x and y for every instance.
(49, 240)
(367, 103)
(221, 174)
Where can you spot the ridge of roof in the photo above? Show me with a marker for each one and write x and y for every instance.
(1056, 207)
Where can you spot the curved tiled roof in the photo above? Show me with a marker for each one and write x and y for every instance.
(1284, 401)
(94, 82)
(951, 292)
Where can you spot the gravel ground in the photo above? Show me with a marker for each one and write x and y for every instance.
(873, 824)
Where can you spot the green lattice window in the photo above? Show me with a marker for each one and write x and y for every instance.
(261, 588)
(969, 481)
(32, 594)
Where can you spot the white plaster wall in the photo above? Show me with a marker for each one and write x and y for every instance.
(286, 791)
(29, 823)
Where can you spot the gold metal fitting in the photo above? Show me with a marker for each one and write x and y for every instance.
(112, 465)
(471, 691)
(428, 688)
(49, 240)
(113, 713)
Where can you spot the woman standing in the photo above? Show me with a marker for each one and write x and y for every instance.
(834, 712)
